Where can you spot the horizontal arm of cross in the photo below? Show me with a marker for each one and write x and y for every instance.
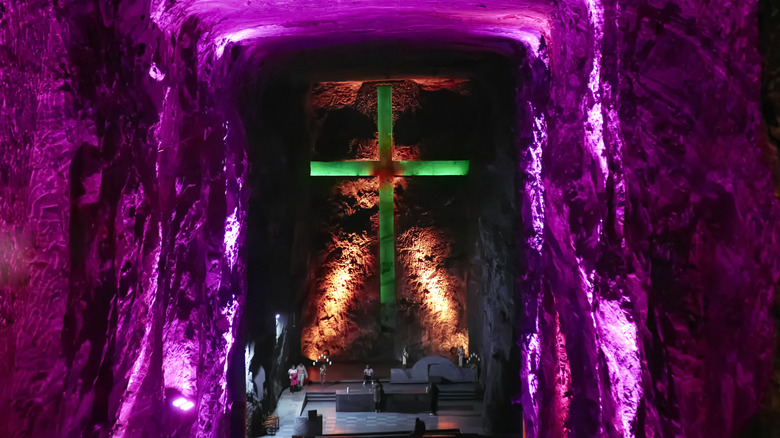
(403, 168)
(433, 168)
(343, 168)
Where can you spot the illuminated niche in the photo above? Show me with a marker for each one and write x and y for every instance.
(379, 284)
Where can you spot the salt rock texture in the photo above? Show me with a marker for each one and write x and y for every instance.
(768, 422)
(342, 299)
(122, 202)
(640, 303)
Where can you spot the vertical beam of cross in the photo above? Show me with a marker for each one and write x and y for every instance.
(384, 96)
(386, 169)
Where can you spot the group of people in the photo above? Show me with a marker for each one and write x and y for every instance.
(298, 376)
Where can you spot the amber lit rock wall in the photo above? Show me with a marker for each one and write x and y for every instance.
(340, 314)
(441, 120)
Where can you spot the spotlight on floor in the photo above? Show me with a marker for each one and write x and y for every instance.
(183, 404)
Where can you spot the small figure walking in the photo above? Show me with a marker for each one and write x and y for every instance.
(405, 357)
(461, 353)
(433, 395)
(302, 375)
(368, 374)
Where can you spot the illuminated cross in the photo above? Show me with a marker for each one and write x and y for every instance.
(386, 169)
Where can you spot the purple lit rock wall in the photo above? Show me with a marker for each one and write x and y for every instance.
(121, 200)
(34, 246)
(769, 47)
(701, 242)
(652, 289)
(647, 237)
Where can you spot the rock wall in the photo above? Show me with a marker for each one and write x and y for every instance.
(35, 155)
(122, 292)
(767, 423)
(647, 307)
(700, 243)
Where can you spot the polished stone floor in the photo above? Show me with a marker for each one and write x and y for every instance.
(465, 416)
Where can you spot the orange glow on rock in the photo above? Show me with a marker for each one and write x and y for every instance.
(340, 290)
(435, 293)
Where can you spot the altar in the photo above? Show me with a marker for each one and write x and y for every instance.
(432, 369)
(401, 398)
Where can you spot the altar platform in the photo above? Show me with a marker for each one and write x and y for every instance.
(343, 386)
(460, 404)
(404, 398)
(395, 399)
(429, 369)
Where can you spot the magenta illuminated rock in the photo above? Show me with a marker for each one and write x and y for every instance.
(625, 248)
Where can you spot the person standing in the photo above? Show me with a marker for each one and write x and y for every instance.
(405, 357)
(293, 374)
(323, 368)
(377, 396)
(302, 375)
(433, 395)
(419, 428)
(461, 353)
(368, 375)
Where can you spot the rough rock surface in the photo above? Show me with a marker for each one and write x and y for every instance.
(122, 202)
(702, 253)
(633, 227)
(768, 421)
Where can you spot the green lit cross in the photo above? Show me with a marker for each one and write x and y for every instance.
(386, 169)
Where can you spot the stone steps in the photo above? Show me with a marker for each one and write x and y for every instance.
(457, 395)
(320, 397)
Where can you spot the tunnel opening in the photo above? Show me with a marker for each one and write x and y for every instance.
(643, 279)
(454, 235)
